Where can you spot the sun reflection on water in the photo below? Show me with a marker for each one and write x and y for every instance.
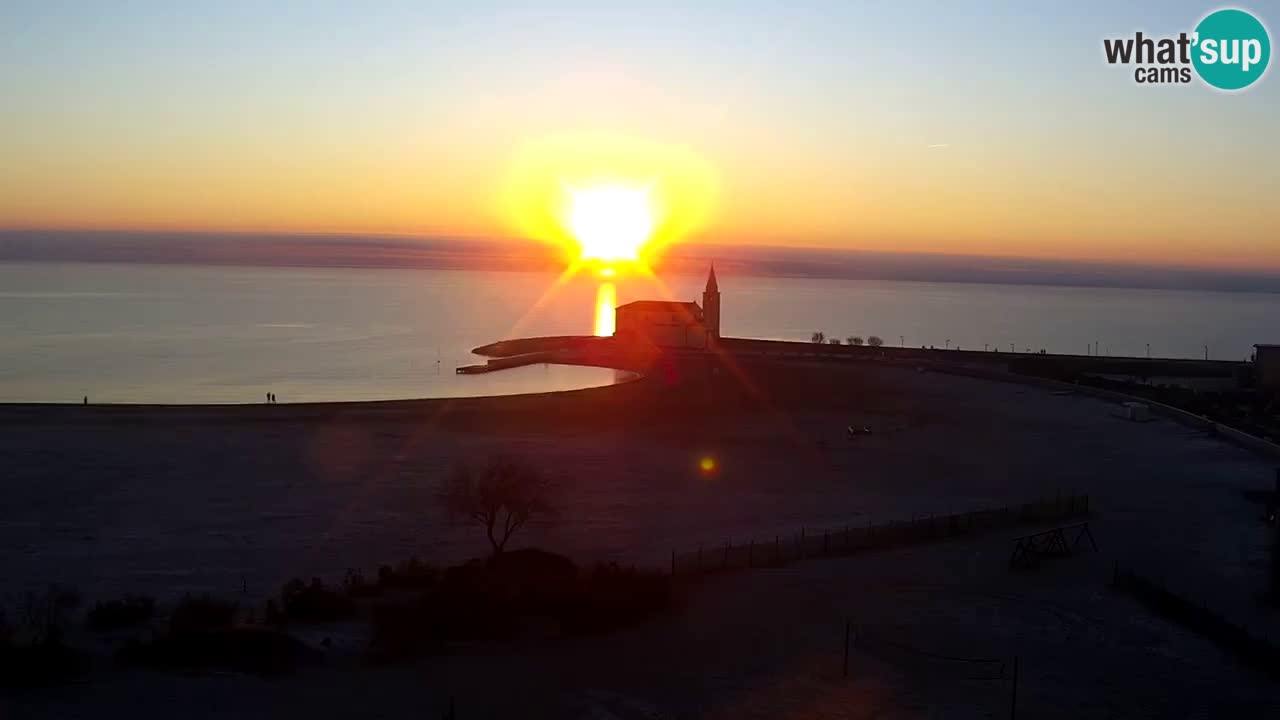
(606, 299)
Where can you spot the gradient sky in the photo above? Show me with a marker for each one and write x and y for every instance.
(993, 129)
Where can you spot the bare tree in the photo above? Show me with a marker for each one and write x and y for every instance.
(501, 497)
(818, 337)
(875, 341)
(855, 340)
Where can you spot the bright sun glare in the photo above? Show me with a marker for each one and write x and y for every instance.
(610, 222)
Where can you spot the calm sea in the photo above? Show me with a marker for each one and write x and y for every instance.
(179, 334)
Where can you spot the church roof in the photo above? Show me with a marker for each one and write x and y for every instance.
(662, 306)
(711, 280)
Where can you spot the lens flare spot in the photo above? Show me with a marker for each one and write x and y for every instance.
(708, 465)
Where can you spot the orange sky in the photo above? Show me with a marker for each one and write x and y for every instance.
(411, 126)
(953, 199)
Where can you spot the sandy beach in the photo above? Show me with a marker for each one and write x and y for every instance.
(235, 500)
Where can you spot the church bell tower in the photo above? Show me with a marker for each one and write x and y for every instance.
(711, 307)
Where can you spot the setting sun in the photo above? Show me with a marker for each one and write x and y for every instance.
(610, 222)
(609, 200)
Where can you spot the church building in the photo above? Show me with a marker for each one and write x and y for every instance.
(672, 324)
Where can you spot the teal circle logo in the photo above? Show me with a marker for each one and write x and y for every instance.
(1231, 49)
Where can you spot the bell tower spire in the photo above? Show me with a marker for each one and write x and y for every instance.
(711, 306)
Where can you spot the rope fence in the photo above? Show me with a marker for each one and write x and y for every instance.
(992, 673)
(779, 551)
(1257, 650)
(989, 668)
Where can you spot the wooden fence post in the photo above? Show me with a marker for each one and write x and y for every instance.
(845, 671)
(1013, 696)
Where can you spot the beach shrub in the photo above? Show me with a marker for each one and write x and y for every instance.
(129, 611)
(412, 574)
(386, 577)
(474, 603)
(402, 631)
(260, 651)
(533, 565)
(32, 651)
(855, 340)
(478, 600)
(875, 341)
(42, 616)
(611, 596)
(194, 614)
(314, 602)
(511, 594)
(465, 605)
(31, 664)
(201, 634)
(271, 615)
(535, 582)
(1275, 566)
(818, 337)
(356, 587)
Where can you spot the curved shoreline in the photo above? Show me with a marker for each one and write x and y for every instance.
(598, 352)
(604, 353)
(280, 409)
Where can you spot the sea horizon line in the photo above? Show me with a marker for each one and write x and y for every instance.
(433, 252)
